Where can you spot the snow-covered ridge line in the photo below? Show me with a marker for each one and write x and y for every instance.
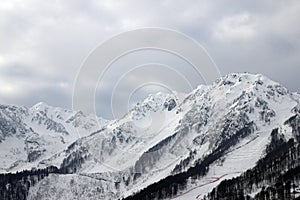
(185, 130)
(29, 135)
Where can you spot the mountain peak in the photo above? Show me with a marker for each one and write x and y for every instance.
(246, 78)
(248, 82)
(40, 106)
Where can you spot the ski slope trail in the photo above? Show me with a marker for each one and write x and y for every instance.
(240, 158)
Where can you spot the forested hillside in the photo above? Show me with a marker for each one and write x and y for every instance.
(16, 186)
(276, 176)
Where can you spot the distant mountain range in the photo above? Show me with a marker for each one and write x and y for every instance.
(30, 135)
(169, 146)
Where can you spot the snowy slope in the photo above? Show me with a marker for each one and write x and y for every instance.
(71, 187)
(29, 135)
(169, 133)
(250, 149)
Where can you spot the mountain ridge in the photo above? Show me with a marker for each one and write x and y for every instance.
(170, 136)
(38, 129)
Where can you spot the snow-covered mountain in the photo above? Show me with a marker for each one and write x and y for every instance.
(217, 130)
(29, 135)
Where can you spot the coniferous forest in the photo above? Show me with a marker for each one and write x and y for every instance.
(15, 186)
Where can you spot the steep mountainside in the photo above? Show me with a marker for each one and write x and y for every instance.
(173, 145)
(29, 135)
(276, 176)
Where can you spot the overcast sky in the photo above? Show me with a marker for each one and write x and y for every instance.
(44, 43)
